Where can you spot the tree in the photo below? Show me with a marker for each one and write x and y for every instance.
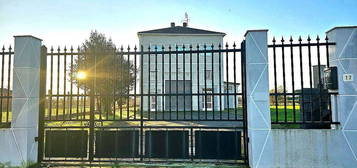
(109, 75)
(280, 89)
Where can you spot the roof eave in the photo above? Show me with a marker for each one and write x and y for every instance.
(182, 34)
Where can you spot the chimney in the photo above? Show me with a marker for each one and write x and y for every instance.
(172, 24)
(184, 24)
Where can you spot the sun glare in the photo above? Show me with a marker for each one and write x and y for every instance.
(81, 75)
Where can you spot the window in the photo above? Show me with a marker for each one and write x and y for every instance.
(207, 99)
(208, 74)
(153, 103)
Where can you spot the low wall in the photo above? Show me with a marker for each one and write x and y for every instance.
(312, 148)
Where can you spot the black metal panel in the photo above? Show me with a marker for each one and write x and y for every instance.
(69, 143)
(218, 144)
(166, 144)
(117, 144)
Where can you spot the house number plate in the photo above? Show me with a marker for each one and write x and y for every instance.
(347, 77)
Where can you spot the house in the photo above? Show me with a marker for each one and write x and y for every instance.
(168, 77)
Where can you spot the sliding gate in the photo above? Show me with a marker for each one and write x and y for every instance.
(152, 104)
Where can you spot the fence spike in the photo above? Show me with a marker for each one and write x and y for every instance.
(78, 48)
(51, 49)
(274, 39)
(169, 47)
(71, 48)
(282, 40)
(326, 38)
(190, 46)
(3, 48)
(58, 49)
(128, 48)
(308, 38)
(197, 46)
(121, 48)
(291, 39)
(317, 38)
(135, 47)
(226, 44)
(219, 45)
(300, 39)
(212, 46)
(234, 44)
(162, 47)
(65, 49)
(183, 46)
(204, 46)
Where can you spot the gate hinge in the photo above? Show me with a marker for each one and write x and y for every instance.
(36, 139)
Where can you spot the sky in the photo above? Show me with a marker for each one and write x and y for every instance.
(69, 22)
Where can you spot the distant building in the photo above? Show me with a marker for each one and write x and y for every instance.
(163, 80)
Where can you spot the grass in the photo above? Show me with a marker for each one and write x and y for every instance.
(281, 116)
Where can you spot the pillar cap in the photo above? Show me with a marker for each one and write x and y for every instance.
(255, 30)
(28, 36)
(341, 27)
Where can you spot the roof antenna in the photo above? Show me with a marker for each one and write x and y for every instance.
(185, 20)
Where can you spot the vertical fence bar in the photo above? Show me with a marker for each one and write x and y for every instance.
(170, 82)
(235, 80)
(328, 65)
(58, 83)
(191, 97)
(141, 103)
(135, 76)
(292, 76)
(205, 78)
(128, 86)
(212, 76)
(8, 86)
(220, 79)
(284, 78)
(43, 69)
(227, 78)
(302, 111)
(310, 76)
(2, 82)
(155, 82)
(198, 82)
(319, 76)
(163, 82)
(275, 83)
(64, 82)
(177, 74)
(71, 85)
(184, 80)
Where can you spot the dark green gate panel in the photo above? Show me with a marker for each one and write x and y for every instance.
(69, 143)
(166, 144)
(218, 144)
(116, 144)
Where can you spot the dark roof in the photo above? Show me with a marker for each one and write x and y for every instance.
(180, 30)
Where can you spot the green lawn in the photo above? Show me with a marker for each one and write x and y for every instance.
(280, 116)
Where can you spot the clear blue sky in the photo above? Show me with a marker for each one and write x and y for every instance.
(68, 22)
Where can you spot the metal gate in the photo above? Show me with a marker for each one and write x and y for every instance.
(158, 104)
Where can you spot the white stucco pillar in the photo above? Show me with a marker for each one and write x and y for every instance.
(25, 101)
(258, 112)
(344, 56)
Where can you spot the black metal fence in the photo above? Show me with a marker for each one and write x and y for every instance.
(297, 94)
(6, 86)
(177, 104)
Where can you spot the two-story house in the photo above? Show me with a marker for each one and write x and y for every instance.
(194, 73)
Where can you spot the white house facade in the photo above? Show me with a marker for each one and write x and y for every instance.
(191, 73)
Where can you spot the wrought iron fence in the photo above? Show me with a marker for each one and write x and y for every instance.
(6, 86)
(179, 91)
(297, 94)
